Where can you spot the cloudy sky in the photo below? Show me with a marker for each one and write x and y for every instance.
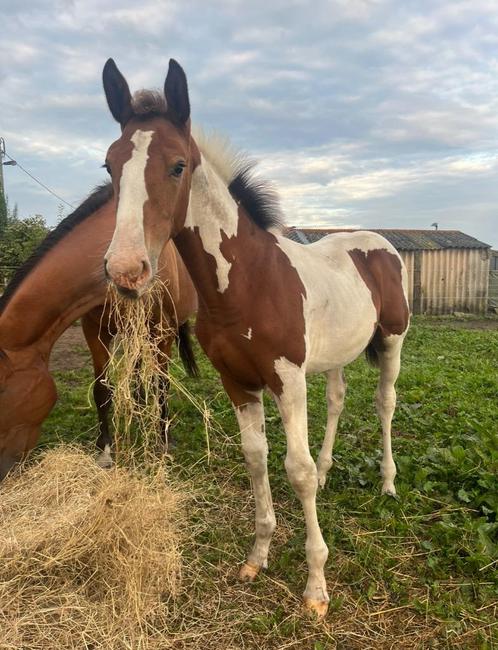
(365, 113)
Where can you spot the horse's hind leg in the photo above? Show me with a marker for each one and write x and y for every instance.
(385, 400)
(336, 389)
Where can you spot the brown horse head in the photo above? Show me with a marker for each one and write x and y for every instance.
(27, 395)
(151, 165)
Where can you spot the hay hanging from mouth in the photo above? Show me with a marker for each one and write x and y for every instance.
(139, 373)
(89, 558)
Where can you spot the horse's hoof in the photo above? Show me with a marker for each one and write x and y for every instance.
(317, 608)
(104, 460)
(389, 490)
(248, 572)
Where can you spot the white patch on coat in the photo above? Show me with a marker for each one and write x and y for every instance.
(215, 213)
(338, 310)
(248, 336)
(133, 194)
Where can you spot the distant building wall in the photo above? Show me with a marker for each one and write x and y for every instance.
(493, 281)
(444, 281)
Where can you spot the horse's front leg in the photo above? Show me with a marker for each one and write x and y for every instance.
(99, 340)
(251, 419)
(303, 477)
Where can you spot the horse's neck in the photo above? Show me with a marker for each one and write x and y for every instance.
(217, 234)
(66, 283)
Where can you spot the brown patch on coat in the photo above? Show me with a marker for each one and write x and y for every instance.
(381, 272)
(264, 294)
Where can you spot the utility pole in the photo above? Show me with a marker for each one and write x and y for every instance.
(2, 154)
(9, 162)
(3, 199)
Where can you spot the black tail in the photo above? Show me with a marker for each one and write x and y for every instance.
(372, 355)
(375, 346)
(184, 342)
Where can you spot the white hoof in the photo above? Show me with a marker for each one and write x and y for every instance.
(389, 489)
(104, 459)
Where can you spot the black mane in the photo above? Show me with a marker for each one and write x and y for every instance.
(258, 197)
(93, 202)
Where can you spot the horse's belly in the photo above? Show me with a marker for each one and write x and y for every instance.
(337, 337)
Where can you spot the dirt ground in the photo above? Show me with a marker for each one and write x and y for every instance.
(70, 352)
(464, 323)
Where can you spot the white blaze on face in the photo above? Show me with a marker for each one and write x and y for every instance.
(129, 232)
(214, 212)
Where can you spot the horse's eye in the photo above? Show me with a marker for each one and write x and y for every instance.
(107, 168)
(177, 170)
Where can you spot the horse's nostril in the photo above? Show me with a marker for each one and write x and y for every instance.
(145, 268)
(106, 272)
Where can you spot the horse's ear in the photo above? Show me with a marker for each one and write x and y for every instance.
(176, 93)
(117, 92)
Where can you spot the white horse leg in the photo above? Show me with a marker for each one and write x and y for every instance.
(255, 448)
(336, 389)
(385, 400)
(302, 474)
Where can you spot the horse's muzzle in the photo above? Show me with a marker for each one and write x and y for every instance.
(131, 278)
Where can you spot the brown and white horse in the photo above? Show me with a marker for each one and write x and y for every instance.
(43, 299)
(270, 310)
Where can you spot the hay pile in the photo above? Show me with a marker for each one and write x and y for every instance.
(88, 558)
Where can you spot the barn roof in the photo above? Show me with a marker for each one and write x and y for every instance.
(402, 240)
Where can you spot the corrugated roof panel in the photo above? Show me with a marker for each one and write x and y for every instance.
(404, 239)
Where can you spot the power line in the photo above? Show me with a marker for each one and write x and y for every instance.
(37, 181)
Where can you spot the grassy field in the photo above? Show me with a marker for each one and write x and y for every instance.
(417, 572)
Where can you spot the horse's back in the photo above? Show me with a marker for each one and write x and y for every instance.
(355, 284)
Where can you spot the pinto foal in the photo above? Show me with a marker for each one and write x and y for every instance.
(270, 310)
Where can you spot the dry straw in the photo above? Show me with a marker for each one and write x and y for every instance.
(139, 373)
(89, 557)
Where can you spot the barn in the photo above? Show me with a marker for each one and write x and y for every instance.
(493, 281)
(448, 271)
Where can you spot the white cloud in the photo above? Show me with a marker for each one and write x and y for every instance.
(359, 109)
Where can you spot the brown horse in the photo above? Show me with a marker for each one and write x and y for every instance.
(270, 310)
(42, 300)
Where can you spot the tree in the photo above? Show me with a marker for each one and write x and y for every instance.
(20, 238)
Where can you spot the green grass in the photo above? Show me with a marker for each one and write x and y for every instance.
(419, 571)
